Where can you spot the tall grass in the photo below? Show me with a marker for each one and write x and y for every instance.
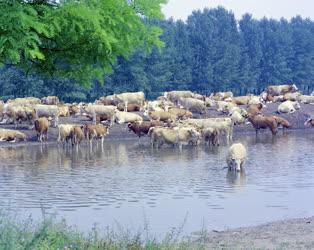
(52, 234)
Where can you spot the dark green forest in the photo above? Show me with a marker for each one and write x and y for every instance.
(211, 51)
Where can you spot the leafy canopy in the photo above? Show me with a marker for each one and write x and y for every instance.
(78, 39)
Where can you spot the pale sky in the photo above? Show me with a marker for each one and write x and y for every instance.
(181, 9)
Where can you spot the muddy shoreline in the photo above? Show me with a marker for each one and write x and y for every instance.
(284, 234)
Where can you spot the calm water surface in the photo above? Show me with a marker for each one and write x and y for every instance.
(123, 183)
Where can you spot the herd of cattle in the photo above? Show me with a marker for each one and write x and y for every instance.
(175, 118)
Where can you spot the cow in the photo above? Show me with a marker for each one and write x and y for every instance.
(174, 136)
(209, 102)
(125, 117)
(41, 128)
(255, 100)
(50, 100)
(107, 100)
(193, 105)
(263, 122)
(158, 105)
(130, 97)
(24, 101)
(275, 90)
(238, 117)
(77, 135)
(306, 99)
(64, 110)
(236, 157)
(142, 128)
(48, 111)
(160, 116)
(223, 124)
(283, 122)
(74, 109)
(225, 107)
(174, 96)
(211, 136)
(98, 131)
(288, 107)
(180, 114)
(278, 98)
(65, 131)
(221, 96)
(265, 97)
(241, 100)
(17, 113)
(93, 110)
(11, 135)
(254, 109)
(132, 107)
(291, 96)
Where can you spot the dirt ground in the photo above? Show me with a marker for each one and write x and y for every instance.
(286, 234)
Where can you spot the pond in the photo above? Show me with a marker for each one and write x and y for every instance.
(130, 185)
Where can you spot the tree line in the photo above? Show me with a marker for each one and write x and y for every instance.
(211, 51)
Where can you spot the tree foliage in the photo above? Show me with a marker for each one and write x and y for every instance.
(211, 51)
(75, 39)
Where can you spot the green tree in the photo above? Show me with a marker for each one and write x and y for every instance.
(75, 39)
(251, 54)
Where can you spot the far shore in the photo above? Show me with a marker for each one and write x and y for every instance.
(120, 132)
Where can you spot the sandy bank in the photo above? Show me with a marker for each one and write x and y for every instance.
(286, 234)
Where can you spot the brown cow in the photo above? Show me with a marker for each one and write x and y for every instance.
(263, 122)
(132, 107)
(142, 128)
(283, 122)
(41, 127)
(77, 135)
(254, 109)
(98, 131)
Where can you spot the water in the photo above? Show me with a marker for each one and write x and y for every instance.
(129, 185)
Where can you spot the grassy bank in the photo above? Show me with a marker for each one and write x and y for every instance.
(27, 234)
(30, 235)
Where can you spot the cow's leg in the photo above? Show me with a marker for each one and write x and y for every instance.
(94, 118)
(180, 146)
(126, 106)
(151, 142)
(112, 120)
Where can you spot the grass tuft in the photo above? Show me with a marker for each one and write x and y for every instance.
(53, 234)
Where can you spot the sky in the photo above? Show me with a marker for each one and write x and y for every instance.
(181, 9)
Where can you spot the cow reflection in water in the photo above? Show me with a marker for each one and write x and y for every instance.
(236, 180)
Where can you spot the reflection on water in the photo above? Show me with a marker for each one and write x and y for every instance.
(126, 182)
(236, 180)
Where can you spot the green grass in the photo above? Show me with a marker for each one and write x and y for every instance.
(52, 234)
